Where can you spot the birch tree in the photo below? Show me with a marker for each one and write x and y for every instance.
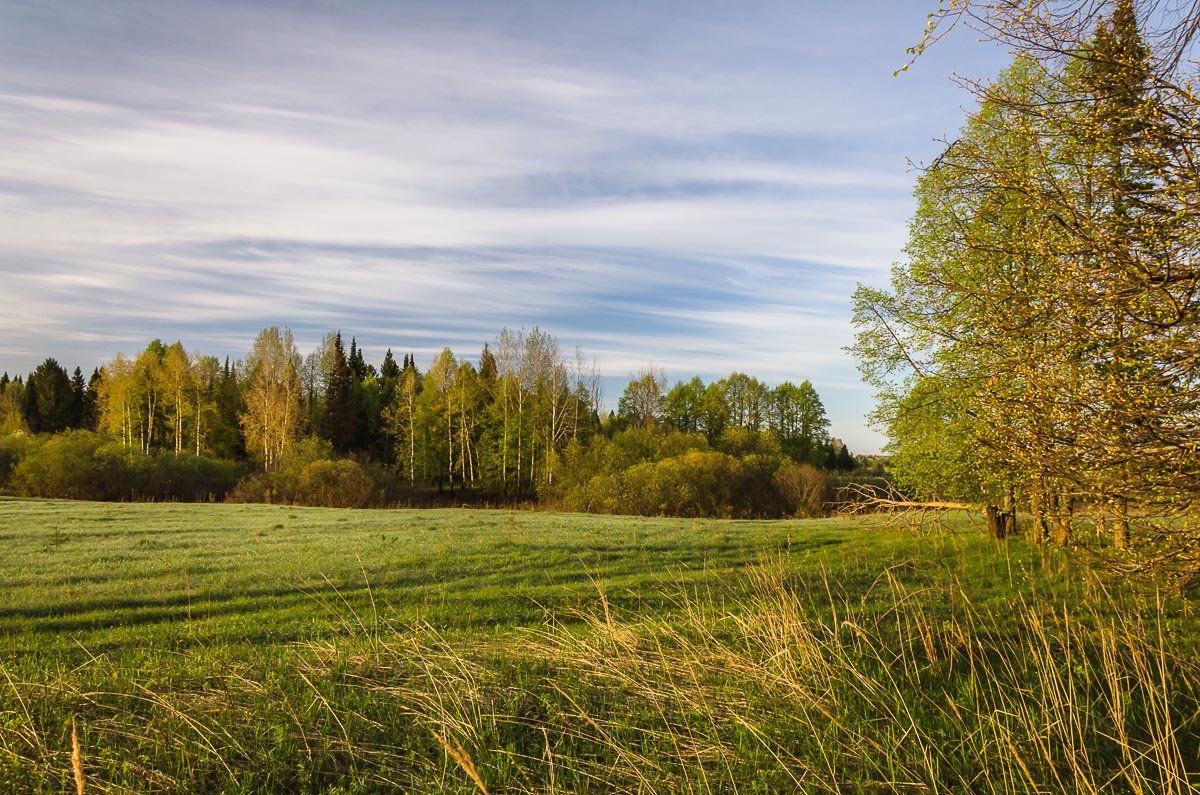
(272, 396)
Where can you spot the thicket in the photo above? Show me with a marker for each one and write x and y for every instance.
(89, 466)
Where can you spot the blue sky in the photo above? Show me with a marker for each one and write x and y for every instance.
(692, 186)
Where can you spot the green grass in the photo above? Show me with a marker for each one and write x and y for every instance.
(246, 649)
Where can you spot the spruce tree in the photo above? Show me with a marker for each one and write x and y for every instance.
(79, 398)
(487, 365)
(49, 402)
(358, 366)
(389, 370)
(91, 411)
(338, 422)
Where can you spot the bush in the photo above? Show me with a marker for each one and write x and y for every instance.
(76, 465)
(12, 447)
(694, 484)
(310, 475)
(84, 465)
(185, 477)
(641, 445)
(803, 489)
(335, 484)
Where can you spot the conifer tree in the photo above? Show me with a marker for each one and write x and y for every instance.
(226, 438)
(49, 401)
(91, 408)
(339, 424)
(79, 395)
(389, 370)
(487, 365)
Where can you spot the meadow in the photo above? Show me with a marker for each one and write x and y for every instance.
(218, 648)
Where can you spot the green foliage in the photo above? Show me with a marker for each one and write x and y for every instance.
(1039, 345)
(89, 466)
(937, 455)
(652, 473)
(308, 474)
(683, 406)
(50, 403)
(523, 426)
(12, 413)
(641, 404)
(340, 415)
(695, 484)
(12, 447)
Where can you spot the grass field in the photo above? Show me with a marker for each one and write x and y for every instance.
(247, 649)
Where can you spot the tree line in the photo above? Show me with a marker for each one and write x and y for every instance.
(1040, 346)
(523, 421)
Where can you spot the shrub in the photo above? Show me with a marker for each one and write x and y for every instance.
(12, 447)
(640, 445)
(802, 487)
(309, 475)
(185, 477)
(334, 484)
(695, 484)
(75, 465)
(84, 465)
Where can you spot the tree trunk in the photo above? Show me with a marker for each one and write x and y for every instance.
(1037, 507)
(995, 528)
(999, 522)
(1121, 524)
(1060, 527)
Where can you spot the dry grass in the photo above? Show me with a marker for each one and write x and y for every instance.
(77, 761)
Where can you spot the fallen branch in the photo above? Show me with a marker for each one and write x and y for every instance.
(860, 498)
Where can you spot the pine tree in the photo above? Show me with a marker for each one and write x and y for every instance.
(226, 438)
(846, 462)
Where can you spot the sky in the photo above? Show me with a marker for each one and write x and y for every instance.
(690, 186)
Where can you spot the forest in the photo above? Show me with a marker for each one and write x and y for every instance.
(523, 423)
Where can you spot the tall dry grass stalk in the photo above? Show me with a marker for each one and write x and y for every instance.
(463, 760)
(76, 760)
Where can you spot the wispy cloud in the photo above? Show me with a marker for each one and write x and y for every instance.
(696, 186)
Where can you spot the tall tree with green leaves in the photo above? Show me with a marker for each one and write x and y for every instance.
(797, 416)
(1050, 293)
(683, 405)
(401, 419)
